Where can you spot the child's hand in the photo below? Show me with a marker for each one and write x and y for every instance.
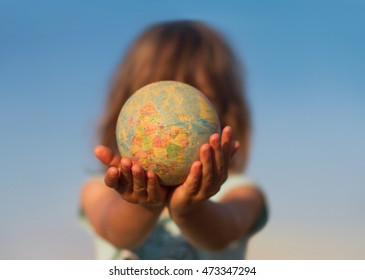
(130, 180)
(206, 176)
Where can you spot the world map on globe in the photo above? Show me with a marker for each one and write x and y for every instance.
(162, 127)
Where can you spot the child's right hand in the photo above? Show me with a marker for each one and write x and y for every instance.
(130, 180)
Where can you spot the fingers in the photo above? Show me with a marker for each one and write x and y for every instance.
(193, 181)
(207, 161)
(106, 156)
(126, 172)
(155, 193)
(111, 178)
(132, 178)
(136, 185)
(219, 164)
(152, 185)
(216, 157)
(227, 144)
(139, 181)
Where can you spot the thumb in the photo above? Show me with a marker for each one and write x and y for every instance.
(107, 156)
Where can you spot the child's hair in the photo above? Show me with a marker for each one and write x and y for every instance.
(189, 52)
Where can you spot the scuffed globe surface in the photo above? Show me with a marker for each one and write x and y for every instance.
(162, 127)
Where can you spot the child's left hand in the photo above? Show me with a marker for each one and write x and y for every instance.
(206, 176)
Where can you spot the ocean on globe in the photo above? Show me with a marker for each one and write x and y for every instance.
(162, 127)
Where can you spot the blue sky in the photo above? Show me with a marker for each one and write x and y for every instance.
(304, 63)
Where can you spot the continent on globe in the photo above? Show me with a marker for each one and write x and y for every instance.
(162, 127)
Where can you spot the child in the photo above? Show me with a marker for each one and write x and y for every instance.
(206, 217)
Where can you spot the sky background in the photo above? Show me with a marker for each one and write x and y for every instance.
(304, 63)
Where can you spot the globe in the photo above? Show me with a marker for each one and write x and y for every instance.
(162, 127)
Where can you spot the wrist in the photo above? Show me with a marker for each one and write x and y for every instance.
(150, 209)
(153, 208)
(184, 214)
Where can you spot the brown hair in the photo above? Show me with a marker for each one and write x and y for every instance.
(189, 52)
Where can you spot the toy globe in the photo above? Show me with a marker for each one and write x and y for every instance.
(162, 127)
